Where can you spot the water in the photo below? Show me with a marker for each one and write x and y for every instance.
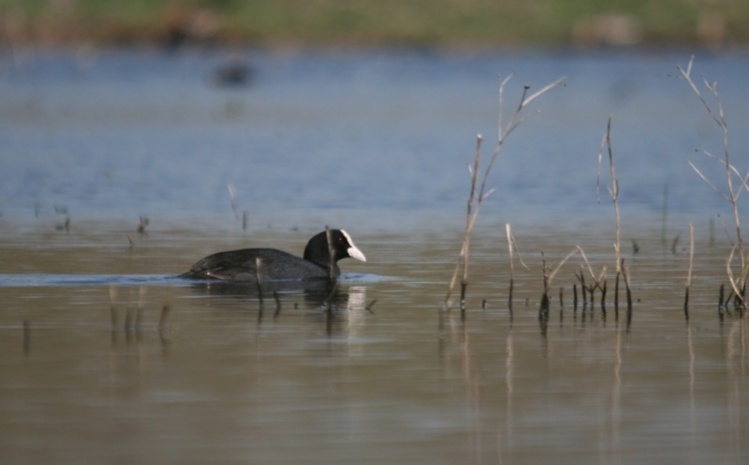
(108, 358)
(127, 133)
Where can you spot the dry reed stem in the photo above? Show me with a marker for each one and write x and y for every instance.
(581, 277)
(543, 310)
(614, 194)
(675, 244)
(331, 256)
(664, 215)
(258, 263)
(564, 260)
(574, 297)
(278, 301)
(332, 278)
(715, 111)
(625, 274)
(599, 282)
(613, 189)
(233, 199)
(689, 271)
(548, 277)
(328, 301)
(512, 249)
(729, 271)
(596, 279)
(476, 198)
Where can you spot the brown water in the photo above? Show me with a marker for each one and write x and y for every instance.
(106, 362)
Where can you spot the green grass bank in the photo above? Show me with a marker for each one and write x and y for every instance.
(443, 23)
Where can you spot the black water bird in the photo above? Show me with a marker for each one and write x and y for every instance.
(276, 265)
(234, 73)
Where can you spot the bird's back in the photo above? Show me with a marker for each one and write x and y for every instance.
(241, 265)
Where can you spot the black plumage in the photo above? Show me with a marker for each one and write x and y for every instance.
(276, 265)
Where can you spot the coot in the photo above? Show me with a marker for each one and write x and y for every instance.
(241, 265)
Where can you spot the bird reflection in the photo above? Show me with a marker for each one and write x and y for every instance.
(316, 294)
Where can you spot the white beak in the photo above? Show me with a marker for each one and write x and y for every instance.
(353, 252)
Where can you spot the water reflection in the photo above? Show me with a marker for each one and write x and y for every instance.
(340, 375)
(312, 293)
(342, 306)
(603, 405)
(127, 313)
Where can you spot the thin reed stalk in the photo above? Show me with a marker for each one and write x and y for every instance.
(233, 199)
(614, 191)
(629, 293)
(732, 176)
(548, 277)
(278, 302)
(329, 299)
(614, 194)
(512, 267)
(616, 298)
(598, 281)
(664, 216)
(543, 311)
(512, 249)
(235, 206)
(574, 297)
(689, 271)
(332, 278)
(258, 264)
(477, 197)
(581, 278)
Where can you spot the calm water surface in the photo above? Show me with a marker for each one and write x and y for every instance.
(140, 368)
(109, 359)
(125, 133)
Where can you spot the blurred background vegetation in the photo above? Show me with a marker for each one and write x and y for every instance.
(440, 23)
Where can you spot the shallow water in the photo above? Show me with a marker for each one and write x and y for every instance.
(135, 368)
(108, 358)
